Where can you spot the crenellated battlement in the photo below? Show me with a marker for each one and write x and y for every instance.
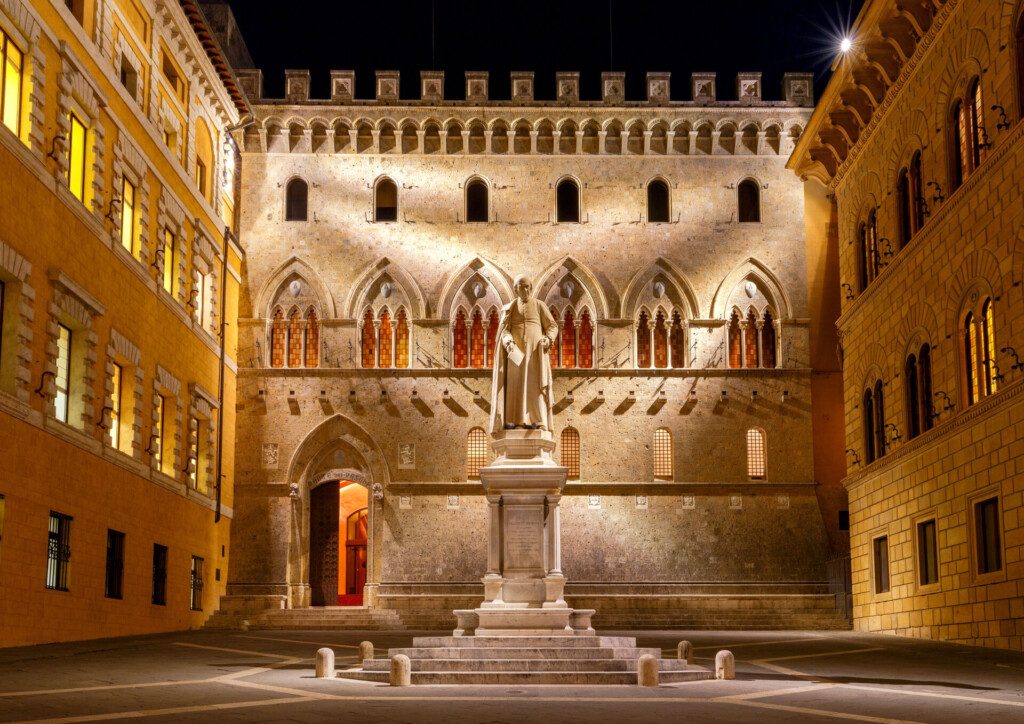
(797, 90)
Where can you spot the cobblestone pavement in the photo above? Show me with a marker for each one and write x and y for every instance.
(267, 676)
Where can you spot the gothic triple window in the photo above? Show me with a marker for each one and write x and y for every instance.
(474, 338)
(384, 339)
(660, 340)
(574, 347)
(295, 339)
(752, 339)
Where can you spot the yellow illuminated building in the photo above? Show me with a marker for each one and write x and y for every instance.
(119, 278)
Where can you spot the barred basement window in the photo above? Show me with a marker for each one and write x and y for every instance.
(570, 452)
(663, 468)
(756, 462)
(927, 553)
(59, 552)
(159, 575)
(196, 584)
(986, 530)
(115, 564)
(880, 548)
(476, 452)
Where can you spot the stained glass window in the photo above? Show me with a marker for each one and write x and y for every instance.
(312, 339)
(477, 341)
(643, 341)
(460, 342)
(402, 340)
(386, 341)
(586, 341)
(662, 454)
(568, 335)
(295, 339)
(369, 341)
(278, 333)
(660, 341)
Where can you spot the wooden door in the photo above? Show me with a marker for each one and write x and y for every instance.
(323, 544)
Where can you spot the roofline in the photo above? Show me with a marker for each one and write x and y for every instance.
(213, 50)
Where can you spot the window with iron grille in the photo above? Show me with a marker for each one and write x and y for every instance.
(159, 574)
(755, 454)
(662, 454)
(59, 552)
(476, 453)
(115, 564)
(570, 451)
(196, 584)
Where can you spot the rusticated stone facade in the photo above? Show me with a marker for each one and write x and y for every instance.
(931, 94)
(712, 523)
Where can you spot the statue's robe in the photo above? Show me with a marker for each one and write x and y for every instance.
(521, 393)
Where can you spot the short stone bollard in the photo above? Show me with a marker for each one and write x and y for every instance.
(401, 671)
(325, 663)
(647, 671)
(365, 650)
(725, 665)
(685, 652)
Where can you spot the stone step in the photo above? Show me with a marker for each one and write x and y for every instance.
(526, 678)
(621, 642)
(533, 652)
(538, 665)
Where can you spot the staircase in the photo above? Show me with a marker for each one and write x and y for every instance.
(351, 618)
(525, 660)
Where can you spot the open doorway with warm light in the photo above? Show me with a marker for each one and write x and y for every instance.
(338, 526)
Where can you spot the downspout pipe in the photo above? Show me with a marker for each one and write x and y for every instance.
(220, 380)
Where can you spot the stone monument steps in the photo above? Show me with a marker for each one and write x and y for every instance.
(529, 678)
(353, 618)
(514, 642)
(533, 652)
(511, 665)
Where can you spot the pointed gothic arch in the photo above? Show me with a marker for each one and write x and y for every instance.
(459, 288)
(752, 270)
(293, 268)
(677, 290)
(367, 290)
(587, 289)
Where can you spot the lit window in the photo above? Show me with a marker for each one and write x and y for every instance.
(662, 454)
(278, 333)
(200, 297)
(979, 140)
(927, 553)
(312, 339)
(62, 379)
(11, 81)
(568, 339)
(295, 339)
(880, 548)
(756, 462)
(970, 345)
(402, 340)
(116, 379)
(369, 341)
(987, 538)
(586, 340)
(660, 334)
(128, 215)
(988, 347)
(570, 452)
(868, 418)
(115, 564)
(735, 341)
(386, 346)
(476, 452)
(76, 174)
(385, 201)
(170, 260)
(643, 341)
(59, 552)
(196, 584)
(477, 341)
(201, 176)
(156, 443)
(460, 341)
(197, 481)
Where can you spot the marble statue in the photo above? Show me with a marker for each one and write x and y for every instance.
(521, 394)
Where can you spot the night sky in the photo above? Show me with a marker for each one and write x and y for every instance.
(681, 36)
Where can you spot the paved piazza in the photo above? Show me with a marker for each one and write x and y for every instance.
(268, 676)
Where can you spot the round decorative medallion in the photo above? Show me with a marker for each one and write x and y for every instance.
(385, 289)
(659, 289)
(750, 288)
(479, 289)
(568, 288)
(295, 288)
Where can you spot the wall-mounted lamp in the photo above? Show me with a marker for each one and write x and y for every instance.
(938, 197)
(102, 422)
(947, 403)
(446, 395)
(895, 432)
(149, 448)
(785, 396)
(352, 395)
(691, 396)
(725, 395)
(753, 395)
(1017, 364)
(58, 141)
(600, 396)
(856, 457)
(1003, 123)
(849, 291)
(632, 394)
(415, 395)
(114, 208)
(190, 463)
(42, 383)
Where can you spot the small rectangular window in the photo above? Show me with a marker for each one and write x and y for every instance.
(116, 378)
(63, 377)
(159, 575)
(881, 558)
(156, 443)
(201, 176)
(170, 260)
(986, 528)
(11, 83)
(128, 215)
(200, 297)
(927, 553)
(115, 564)
(59, 552)
(76, 175)
(844, 520)
(196, 586)
(129, 77)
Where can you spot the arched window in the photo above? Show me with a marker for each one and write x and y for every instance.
(312, 339)
(569, 450)
(586, 341)
(385, 201)
(750, 337)
(868, 418)
(916, 194)
(924, 377)
(278, 335)
(911, 381)
(296, 200)
(477, 205)
(903, 206)
(970, 345)
(476, 452)
(477, 341)
(756, 455)
(657, 201)
(460, 341)
(369, 341)
(879, 420)
(386, 345)
(749, 198)
(979, 139)
(568, 335)
(960, 151)
(295, 339)
(768, 341)
(402, 340)
(677, 341)
(988, 347)
(660, 334)
(868, 234)
(735, 342)
(662, 448)
(568, 200)
(643, 341)
(492, 336)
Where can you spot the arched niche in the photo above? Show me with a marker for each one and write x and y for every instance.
(765, 282)
(278, 288)
(477, 283)
(660, 285)
(568, 281)
(385, 284)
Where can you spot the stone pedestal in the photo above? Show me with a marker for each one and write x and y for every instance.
(524, 585)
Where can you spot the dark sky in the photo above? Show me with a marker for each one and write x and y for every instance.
(680, 36)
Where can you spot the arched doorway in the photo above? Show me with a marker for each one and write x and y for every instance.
(338, 526)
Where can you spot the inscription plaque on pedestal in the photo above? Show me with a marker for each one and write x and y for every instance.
(524, 538)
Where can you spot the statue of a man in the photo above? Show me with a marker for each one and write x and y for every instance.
(521, 395)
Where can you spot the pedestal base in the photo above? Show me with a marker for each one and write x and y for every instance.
(510, 620)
